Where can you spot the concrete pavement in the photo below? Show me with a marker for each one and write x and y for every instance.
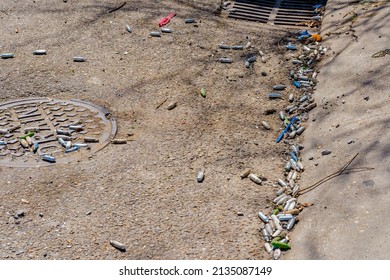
(350, 218)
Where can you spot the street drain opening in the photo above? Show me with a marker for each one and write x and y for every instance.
(277, 12)
(40, 131)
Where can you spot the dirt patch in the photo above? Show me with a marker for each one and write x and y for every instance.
(145, 194)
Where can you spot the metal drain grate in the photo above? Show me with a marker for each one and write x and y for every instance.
(276, 12)
(82, 125)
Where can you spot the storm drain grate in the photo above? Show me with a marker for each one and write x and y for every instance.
(83, 128)
(276, 12)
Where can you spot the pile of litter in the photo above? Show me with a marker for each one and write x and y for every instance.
(278, 223)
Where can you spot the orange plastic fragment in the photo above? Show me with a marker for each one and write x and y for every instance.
(317, 37)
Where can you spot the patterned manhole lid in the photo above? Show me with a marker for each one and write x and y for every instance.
(34, 131)
(275, 12)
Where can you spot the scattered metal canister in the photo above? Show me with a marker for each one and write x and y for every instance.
(155, 34)
(80, 145)
(79, 59)
(63, 132)
(63, 137)
(295, 150)
(7, 55)
(292, 134)
(282, 200)
(279, 197)
(284, 217)
(280, 191)
(269, 228)
(293, 156)
(310, 107)
(49, 158)
(237, 47)
(294, 175)
(276, 222)
(282, 183)
(166, 30)
(62, 142)
(281, 115)
(277, 233)
(279, 87)
(224, 47)
(300, 165)
(265, 234)
(39, 52)
(265, 125)
(289, 176)
(291, 223)
(251, 59)
(287, 167)
(300, 130)
(35, 147)
(172, 105)
(254, 178)
(295, 190)
(76, 127)
(277, 253)
(263, 217)
(287, 205)
(69, 150)
(200, 177)
(225, 60)
(273, 95)
(189, 20)
(294, 165)
(118, 245)
(291, 47)
(91, 140)
(268, 247)
(291, 206)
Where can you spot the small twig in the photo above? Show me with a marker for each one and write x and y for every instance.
(161, 103)
(117, 8)
(343, 170)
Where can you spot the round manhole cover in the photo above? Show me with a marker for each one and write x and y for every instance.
(41, 131)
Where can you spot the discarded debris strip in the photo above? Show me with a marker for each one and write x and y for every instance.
(277, 223)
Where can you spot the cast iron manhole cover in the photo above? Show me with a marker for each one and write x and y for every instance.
(277, 12)
(41, 131)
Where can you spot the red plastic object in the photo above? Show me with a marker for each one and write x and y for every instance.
(166, 19)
